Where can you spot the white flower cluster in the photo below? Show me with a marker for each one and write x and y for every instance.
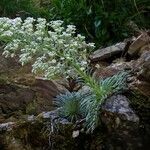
(50, 46)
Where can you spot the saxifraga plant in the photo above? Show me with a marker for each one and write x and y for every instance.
(61, 52)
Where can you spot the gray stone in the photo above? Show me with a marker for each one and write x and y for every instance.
(119, 105)
(105, 53)
(144, 65)
(6, 126)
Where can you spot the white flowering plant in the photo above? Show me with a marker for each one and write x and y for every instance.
(48, 45)
(56, 50)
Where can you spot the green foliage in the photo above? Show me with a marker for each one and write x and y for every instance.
(23, 8)
(103, 21)
(93, 100)
(69, 104)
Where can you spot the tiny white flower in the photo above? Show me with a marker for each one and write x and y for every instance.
(53, 61)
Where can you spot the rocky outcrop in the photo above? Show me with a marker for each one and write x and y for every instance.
(23, 93)
(126, 119)
(124, 116)
(137, 62)
(17, 99)
(46, 131)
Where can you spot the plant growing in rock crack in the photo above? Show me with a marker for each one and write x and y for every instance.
(56, 51)
(79, 104)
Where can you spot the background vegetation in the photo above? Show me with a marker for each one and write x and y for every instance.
(101, 21)
(23, 8)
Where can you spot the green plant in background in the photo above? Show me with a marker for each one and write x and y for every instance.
(103, 21)
(24, 8)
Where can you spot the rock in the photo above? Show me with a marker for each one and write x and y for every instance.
(119, 105)
(104, 73)
(122, 124)
(6, 126)
(11, 68)
(141, 104)
(7, 63)
(142, 87)
(14, 98)
(75, 134)
(144, 65)
(32, 99)
(121, 64)
(48, 87)
(140, 41)
(40, 133)
(108, 52)
(141, 67)
(144, 49)
(31, 118)
(46, 90)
